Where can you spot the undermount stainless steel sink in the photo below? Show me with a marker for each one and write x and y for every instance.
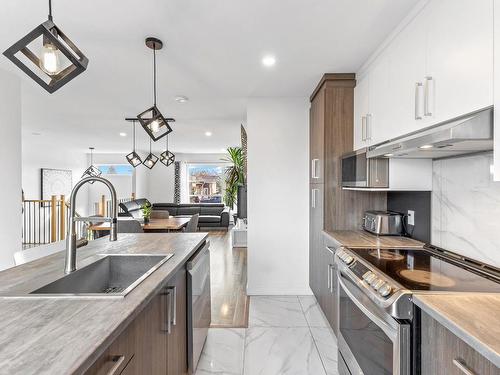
(114, 275)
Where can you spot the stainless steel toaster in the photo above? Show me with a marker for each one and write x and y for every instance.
(383, 223)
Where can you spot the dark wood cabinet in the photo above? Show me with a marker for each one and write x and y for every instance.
(177, 363)
(155, 342)
(443, 353)
(331, 136)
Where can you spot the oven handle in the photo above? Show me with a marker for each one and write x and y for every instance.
(390, 331)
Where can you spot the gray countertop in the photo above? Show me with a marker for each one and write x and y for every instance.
(363, 239)
(64, 336)
(474, 318)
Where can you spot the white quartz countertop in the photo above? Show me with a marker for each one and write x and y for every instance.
(65, 336)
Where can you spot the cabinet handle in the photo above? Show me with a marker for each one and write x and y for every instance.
(173, 306)
(427, 112)
(418, 85)
(363, 128)
(463, 367)
(314, 168)
(328, 284)
(167, 294)
(331, 279)
(313, 198)
(118, 360)
(369, 127)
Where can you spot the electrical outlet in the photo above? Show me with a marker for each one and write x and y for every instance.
(411, 217)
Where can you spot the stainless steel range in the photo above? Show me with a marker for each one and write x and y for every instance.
(378, 323)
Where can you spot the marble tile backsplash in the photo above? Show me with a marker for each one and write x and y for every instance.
(466, 208)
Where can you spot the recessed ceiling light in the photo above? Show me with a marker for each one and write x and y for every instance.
(36, 133)
(208, 134)
(424, 147)
(269, 60)
(389, 155)
(122, 134)
(181, 99)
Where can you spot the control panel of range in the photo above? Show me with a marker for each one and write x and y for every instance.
(378, 284)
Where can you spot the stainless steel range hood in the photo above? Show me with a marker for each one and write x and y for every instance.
(464, 135)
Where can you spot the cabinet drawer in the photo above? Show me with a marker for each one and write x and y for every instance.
(443, 353)
(118, 355)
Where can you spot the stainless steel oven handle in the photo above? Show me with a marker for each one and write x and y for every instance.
(384, 326)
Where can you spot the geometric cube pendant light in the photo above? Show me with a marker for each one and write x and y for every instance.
(167, 157)
(91, 171)
(151, 159)
(152, 119)
(133, 158)
(56, 59)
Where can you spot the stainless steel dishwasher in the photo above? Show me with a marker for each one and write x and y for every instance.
(199, 304)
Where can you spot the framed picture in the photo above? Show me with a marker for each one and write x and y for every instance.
(56, 182)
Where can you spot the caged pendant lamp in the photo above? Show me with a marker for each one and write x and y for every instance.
(133, 158)
(167, 157)
(151, 119)
(48, 56)
(151, 159)
(91, 171)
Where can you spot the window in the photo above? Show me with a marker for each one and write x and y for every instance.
(205, 183)
(116, 169)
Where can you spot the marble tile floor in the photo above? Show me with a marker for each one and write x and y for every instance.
(285, 335)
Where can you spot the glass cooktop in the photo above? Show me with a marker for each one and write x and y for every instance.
(418, 269)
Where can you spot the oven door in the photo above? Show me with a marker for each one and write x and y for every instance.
(371, 342)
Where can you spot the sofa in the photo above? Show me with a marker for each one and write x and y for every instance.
(212, 215)
(133, 208)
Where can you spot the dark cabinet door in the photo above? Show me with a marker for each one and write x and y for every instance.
(151, 342)
(177, 361)
(315, 238)
(443, 353)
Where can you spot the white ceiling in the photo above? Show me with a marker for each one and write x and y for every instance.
(212, 55)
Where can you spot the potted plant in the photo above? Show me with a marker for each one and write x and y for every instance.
(234, 174)
(146, 212)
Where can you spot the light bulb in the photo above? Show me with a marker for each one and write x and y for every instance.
(49, 59)
(155, 126)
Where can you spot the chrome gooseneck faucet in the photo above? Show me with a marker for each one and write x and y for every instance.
(70, 265)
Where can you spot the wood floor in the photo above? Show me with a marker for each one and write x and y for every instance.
(228, 282)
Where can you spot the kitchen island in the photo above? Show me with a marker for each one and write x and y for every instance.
(67, 335)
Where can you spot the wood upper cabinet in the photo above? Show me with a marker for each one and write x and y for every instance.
(155, 343)
(317, 138)
(438, 67)
(443, 353)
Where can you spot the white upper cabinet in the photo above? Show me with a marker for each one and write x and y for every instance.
(438, 67)
(379, 115)
(361, 108)
(407, 71)
(459, 72)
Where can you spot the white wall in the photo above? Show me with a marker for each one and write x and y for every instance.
(466, 207)
(10, 154)
(39, 152)
(278, 154)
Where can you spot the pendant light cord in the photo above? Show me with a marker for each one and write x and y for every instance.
(134, 134)
(50, 10)
(154, 73)
(149, 146)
